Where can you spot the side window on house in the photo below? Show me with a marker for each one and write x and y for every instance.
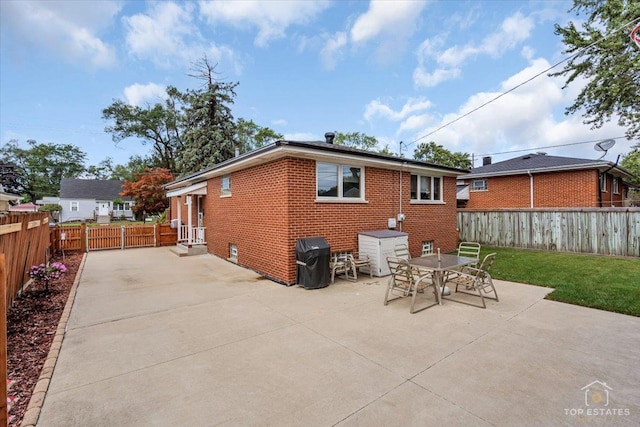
(615, 185)
(127, 206)
(339, 181)
(225, 189)
(74, 206)
(603, 182)
(427, 188)
(479, 185)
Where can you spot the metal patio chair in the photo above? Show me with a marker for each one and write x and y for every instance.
(340, 264)
(403, 283)
(359, 261)
(475, 281)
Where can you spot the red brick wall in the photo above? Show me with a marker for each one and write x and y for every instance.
(273, 205)
(551, 190)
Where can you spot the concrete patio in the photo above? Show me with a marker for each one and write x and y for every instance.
(159, 340)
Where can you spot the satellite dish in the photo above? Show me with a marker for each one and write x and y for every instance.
(604, 146)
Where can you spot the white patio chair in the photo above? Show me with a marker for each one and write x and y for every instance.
(403, 283)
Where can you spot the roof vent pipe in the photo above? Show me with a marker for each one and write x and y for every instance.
(486, 161)
(329, 137)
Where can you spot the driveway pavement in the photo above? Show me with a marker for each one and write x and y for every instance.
(158, 340)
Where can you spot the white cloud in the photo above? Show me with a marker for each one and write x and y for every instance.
(166, 34)
(526, 118)
(377, 108)
(69, 29)
(421, 78)
(279, 122)
(391, 17)
(271, 18)
(514, 30)
(138, 94)
(332, 49)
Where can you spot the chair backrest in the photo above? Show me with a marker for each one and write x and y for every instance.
(401, 272)
(486, 265)
(469, 249)
(402, 251)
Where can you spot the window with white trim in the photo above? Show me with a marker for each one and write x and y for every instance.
(615, 185)
(603, 182)
(427, 247)
(479, 185)
(74, 206)
(225, 185)
(426, 188)
(339, 181)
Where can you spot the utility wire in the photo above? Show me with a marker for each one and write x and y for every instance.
(548, 146)
(523, 83)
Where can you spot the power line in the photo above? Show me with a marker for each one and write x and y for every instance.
(549, 146)
(523, 83)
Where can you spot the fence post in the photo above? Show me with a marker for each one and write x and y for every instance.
(122, 237)
(156, 227)
(84, 238)
(3, 342)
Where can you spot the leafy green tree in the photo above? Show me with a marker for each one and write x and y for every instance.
(160, 125)
(607, 59)
(250, 136)
(210, 127)
(102, 170)
(136, 164)
(437, 154)
(40, 167)
(357, 140)
(631, 162)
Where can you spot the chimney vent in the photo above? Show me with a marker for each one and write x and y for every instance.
(486, 161)
(329, 137)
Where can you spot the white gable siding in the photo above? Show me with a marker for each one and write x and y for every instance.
(86, 209)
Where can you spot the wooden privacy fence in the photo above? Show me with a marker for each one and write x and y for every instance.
(83, 238)
(605, 231)
(24, 241)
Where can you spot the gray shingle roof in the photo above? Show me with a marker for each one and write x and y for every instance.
(539, 163)
(71, 188)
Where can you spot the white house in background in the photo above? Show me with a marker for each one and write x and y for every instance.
(5, 198)
(91, 199)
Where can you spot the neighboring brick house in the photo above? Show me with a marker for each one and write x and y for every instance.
(252, 209)
(88, 199)
(542, 181)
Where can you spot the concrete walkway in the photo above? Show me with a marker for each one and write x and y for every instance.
(158, 340)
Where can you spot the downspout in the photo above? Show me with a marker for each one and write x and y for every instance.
(604, 173)
(530, 189)
(400, 182)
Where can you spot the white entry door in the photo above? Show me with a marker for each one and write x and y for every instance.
(103, 209)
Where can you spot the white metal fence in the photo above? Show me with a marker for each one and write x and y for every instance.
(606, 231)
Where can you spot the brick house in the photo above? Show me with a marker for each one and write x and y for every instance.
(542, 181)
(253, 208)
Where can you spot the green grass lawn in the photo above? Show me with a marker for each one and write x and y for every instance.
(603, 282)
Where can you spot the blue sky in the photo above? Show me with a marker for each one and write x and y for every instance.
(391, 69)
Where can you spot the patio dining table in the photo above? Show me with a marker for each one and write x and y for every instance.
(437, 265)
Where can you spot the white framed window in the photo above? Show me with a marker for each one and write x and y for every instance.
(426, 188)
(127, 206)
(479, 185)
(233, 251)
(225, 186)
(615, 185)
(603, 183)
(74, 206)
(427, 247)
(335, 181)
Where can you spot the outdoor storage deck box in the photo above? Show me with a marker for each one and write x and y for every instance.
(380, 244)
(312, 261)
